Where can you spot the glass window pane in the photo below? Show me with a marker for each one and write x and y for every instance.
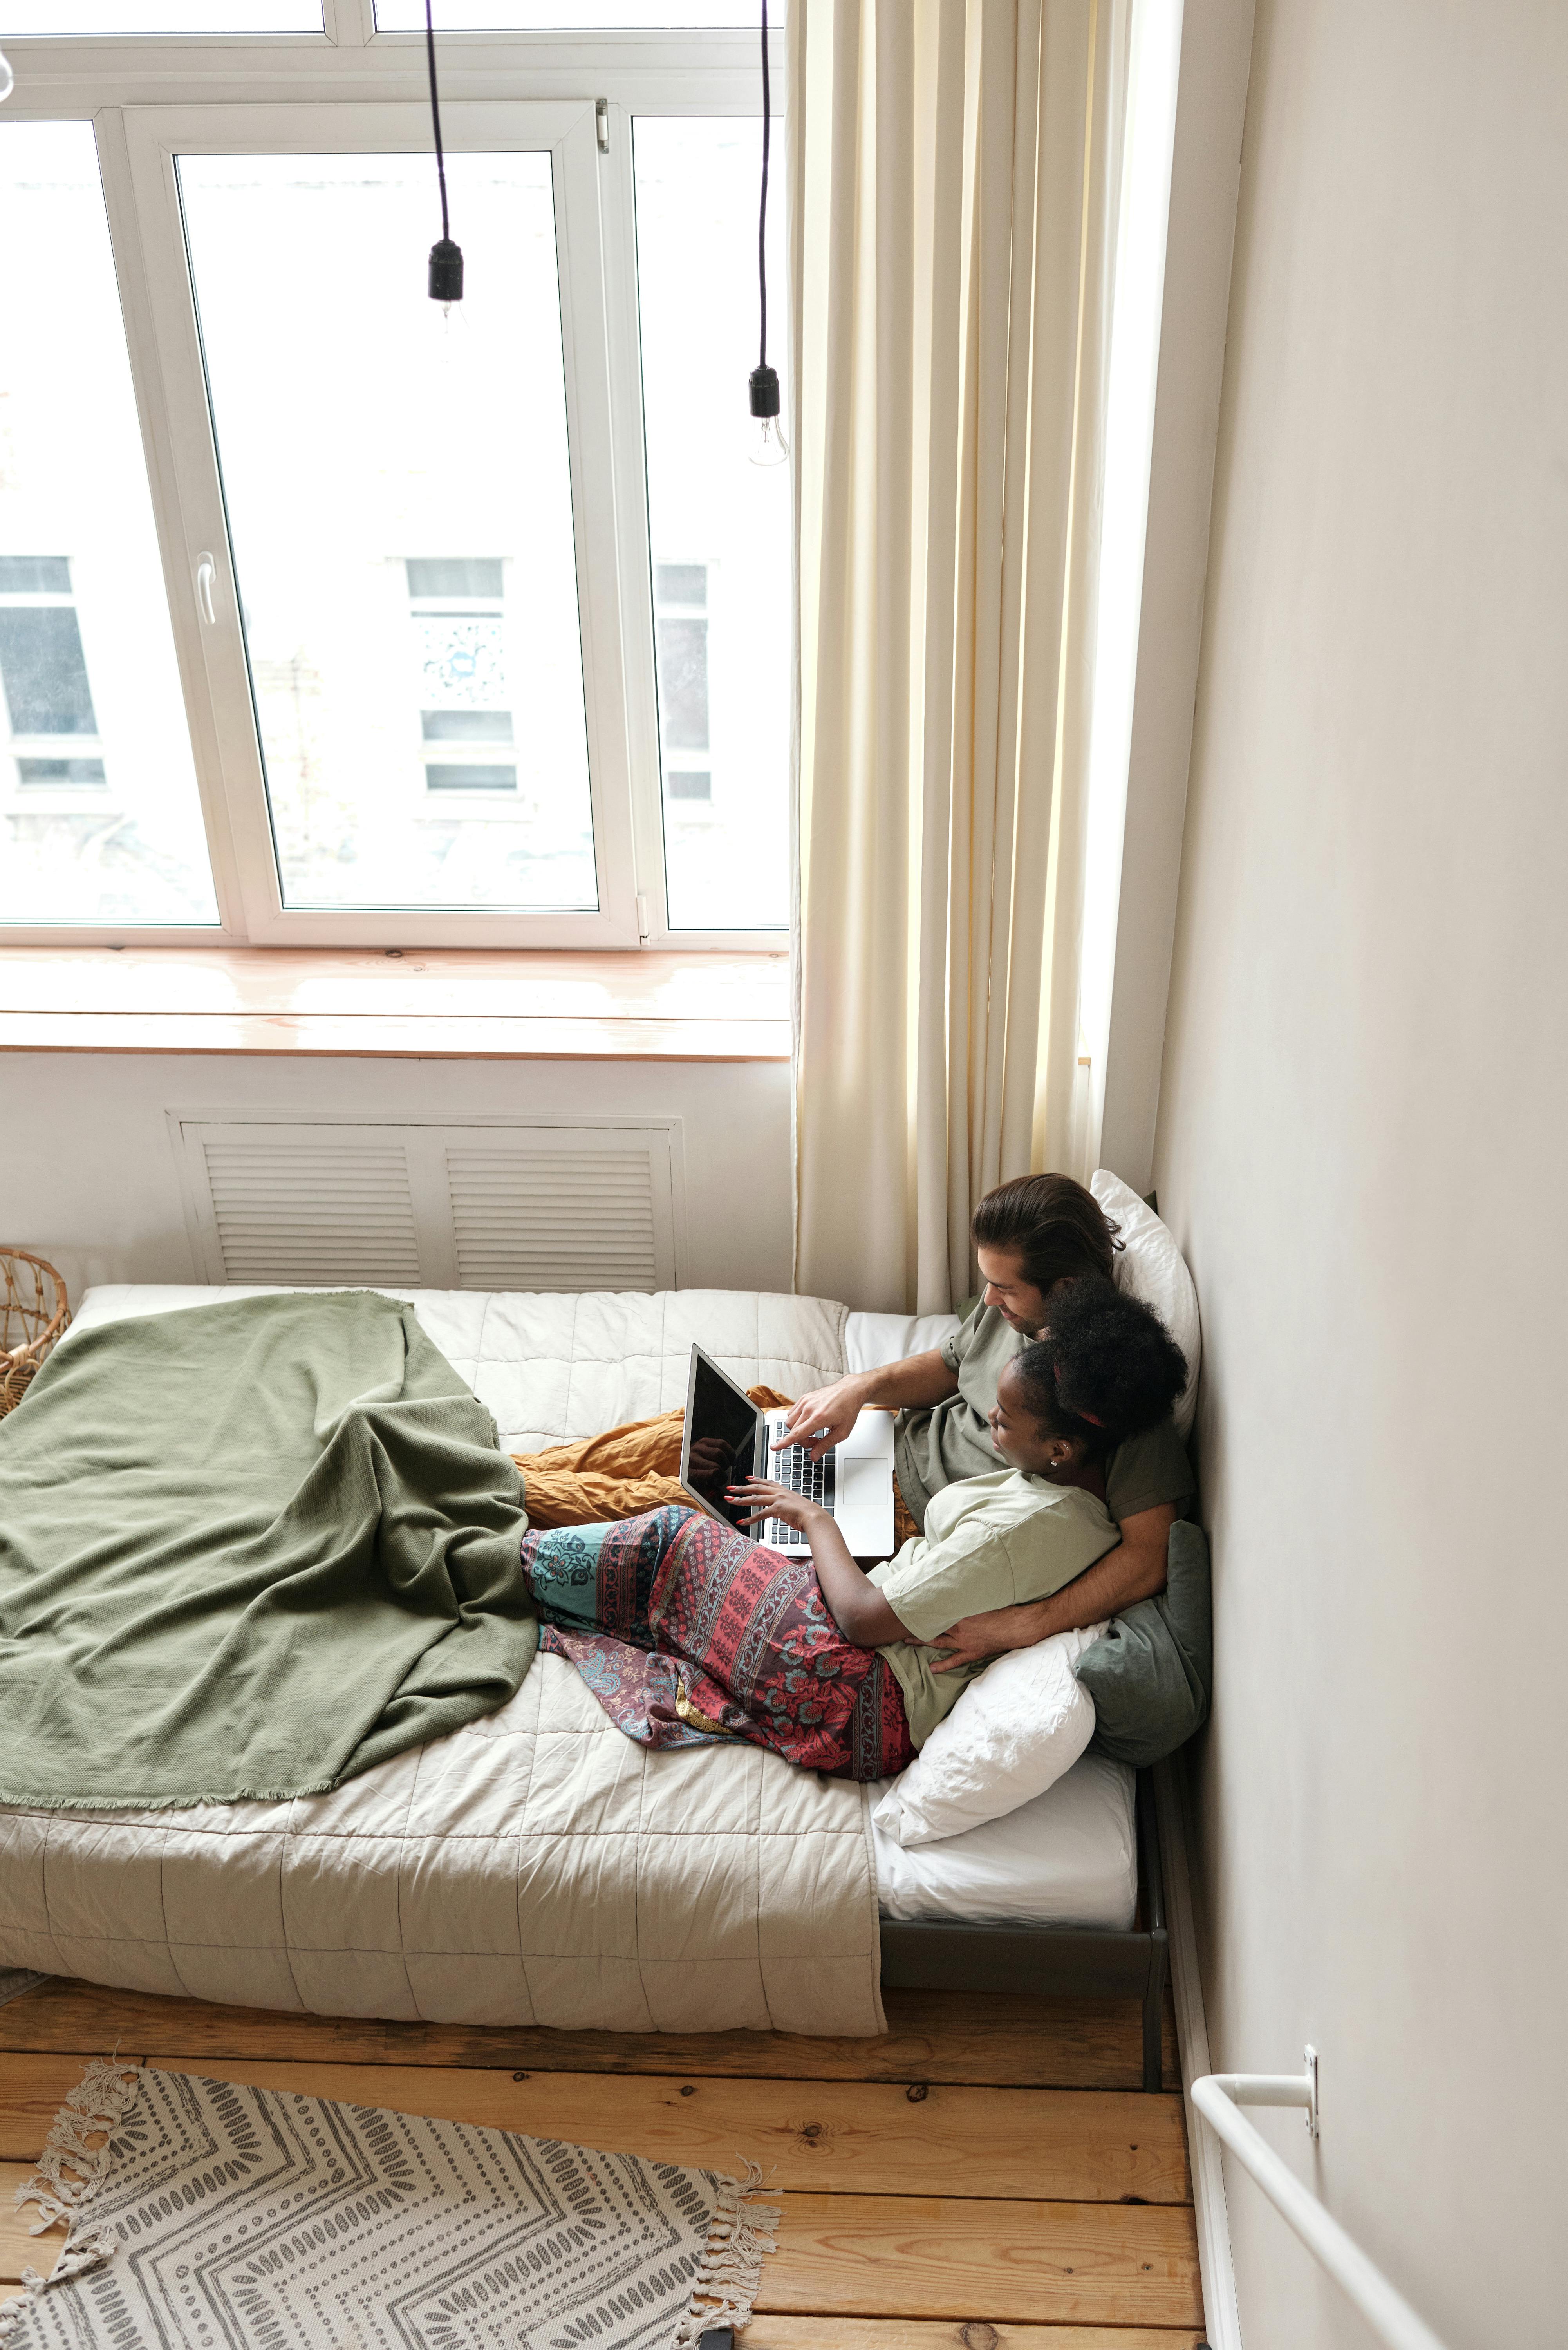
(683, 684)
(571, 16)
(400, 507)
(100, 819)
(720, 525)
(45, 17)
(42, 669)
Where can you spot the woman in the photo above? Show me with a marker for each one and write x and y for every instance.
(685, 1629)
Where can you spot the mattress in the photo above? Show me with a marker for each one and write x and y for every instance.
(1069, 1857)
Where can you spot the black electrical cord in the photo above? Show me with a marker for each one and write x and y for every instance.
(763, 207)
(446, 258)
(765, 382)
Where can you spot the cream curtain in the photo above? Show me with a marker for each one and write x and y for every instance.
(953, 176)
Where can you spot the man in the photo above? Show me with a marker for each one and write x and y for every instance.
(1030, 1235)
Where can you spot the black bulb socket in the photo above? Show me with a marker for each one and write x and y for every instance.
(765, 382)
(446, 271)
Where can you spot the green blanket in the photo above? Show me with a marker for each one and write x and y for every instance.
(249, 1550)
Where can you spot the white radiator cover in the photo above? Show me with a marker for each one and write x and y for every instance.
(514, 1204)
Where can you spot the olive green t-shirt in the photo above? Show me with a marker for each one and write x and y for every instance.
(988, 1541)
(937, 1444)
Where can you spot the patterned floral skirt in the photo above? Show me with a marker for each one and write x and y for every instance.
(688, 1632)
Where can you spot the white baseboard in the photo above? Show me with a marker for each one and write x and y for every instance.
(1221, 2321)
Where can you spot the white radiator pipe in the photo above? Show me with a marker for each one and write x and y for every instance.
(1217, 2097)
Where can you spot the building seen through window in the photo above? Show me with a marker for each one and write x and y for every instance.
(43, 674)
(461, 649)
(681, 634)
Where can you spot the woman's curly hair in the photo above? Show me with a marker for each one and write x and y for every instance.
(1106, 1369)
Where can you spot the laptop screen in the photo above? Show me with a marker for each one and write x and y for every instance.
(723, 1433)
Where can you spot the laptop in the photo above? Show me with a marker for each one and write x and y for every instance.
(727, 1438)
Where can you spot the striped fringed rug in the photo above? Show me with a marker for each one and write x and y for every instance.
(218, 2217)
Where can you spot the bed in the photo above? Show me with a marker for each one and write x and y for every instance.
(537, 1868)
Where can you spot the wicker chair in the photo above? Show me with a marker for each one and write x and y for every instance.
(33, 1314)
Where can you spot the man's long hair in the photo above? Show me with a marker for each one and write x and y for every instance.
(1056, 1229)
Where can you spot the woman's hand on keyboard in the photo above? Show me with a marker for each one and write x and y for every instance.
(765, 1500)
(824, 1417)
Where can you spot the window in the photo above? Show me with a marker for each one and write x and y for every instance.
(681, 636)
(43, 674)
(719, 526)
(100, 819)
(460, 436)
(458, 603)
(42, 664)
(356, 620)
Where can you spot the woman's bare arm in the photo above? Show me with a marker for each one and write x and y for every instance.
(918, 1380)
(1135, 1570)
(853, 1602)
(856, 1604)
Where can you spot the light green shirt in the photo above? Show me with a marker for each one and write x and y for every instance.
(933, 1446)
(987, 1542)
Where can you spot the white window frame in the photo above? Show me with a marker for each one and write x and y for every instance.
(151, 97)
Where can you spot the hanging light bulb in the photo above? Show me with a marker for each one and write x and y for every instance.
(769, 447)
(772, 448)
(446, 258)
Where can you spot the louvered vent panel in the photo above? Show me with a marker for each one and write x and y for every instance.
(291, 1205)
(519, 1206)
(546, 1218)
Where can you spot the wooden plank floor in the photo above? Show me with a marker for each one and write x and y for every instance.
(1067, 2043)
(988, 2176)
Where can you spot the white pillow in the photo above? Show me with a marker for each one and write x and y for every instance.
(1014, 1731)
(1152, 1267)
(872, 1339)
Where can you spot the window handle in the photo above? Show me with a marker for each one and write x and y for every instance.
(206, 572)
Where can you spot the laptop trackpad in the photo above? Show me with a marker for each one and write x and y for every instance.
(862, 1484)
(863, 1507)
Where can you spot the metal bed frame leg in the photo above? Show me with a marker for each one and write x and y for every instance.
(1154, 1926)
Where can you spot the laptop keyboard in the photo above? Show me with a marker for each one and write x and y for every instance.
(815, 1481)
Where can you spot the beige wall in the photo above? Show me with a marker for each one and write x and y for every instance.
(1362, 1147)
(88, 1178)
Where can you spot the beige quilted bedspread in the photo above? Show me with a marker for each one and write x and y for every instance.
(536, 1867)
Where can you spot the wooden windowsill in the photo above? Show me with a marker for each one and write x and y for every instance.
(436, 1003)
